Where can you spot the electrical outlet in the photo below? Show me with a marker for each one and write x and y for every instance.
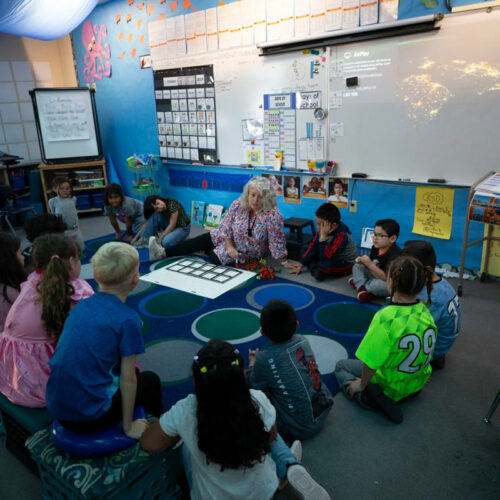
(353, 207)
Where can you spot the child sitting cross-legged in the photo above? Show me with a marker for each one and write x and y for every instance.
(395, 354)
(231, 446)
(369, 276)
(444, 305)
(93, 382)
(332, 251)
(288, 374)
(36, 319)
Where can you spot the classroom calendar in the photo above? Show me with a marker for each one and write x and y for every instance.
(185, 113)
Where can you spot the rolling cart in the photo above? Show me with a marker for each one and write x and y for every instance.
(473, 215)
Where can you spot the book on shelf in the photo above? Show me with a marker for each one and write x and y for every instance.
(213, 216)
(197, 212)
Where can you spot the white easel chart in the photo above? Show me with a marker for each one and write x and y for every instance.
(198, 277)
(185, 112)
(279, 128)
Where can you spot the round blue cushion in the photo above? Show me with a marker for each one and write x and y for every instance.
(105, 442)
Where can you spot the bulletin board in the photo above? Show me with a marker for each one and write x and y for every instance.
(425, 106)
(242, 79)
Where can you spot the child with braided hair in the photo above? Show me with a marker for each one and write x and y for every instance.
(444, 305)
(37, 317)
(231, 445)
(395, 354)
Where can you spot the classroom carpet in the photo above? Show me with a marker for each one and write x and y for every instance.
(177, 324)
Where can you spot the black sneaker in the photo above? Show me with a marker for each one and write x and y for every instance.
(375, 397)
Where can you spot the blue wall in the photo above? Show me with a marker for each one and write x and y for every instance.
(127, 119)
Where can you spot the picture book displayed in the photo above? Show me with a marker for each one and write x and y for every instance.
(197, 212)
(213, 216)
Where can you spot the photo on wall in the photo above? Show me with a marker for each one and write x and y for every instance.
(338, 192)
(292, 188)
(276, 182)
(314, 186)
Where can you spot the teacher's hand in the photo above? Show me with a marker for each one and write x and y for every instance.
(233, 253)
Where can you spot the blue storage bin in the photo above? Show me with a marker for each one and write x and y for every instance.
(83, 201)
(17, 180)
(97, 200)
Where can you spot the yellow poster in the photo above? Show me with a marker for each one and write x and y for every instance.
(433, 212)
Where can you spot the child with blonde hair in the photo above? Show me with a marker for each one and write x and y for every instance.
(37, 317)
(93, 382)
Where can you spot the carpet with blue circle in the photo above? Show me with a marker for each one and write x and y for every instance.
(177, 324)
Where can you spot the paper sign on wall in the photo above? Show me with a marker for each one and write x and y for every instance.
(433, 212)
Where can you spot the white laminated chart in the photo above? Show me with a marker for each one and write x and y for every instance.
(198, 277)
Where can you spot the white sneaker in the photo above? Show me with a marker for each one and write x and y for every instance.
(302, 482)
(156, 251)
(296, 449)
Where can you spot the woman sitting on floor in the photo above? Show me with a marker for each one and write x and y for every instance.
(252, 228)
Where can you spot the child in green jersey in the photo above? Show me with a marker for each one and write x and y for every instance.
(395, 354)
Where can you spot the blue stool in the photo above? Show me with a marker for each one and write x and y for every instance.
(98, 444)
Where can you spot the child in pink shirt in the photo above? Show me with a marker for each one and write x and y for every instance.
(36, 319)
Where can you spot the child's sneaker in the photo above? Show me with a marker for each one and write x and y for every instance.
(351, 282)
(296, 449)
(364, 295)
(302, 482)
(156, 251)
(141, 243)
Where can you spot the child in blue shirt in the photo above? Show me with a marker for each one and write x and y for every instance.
(288, 374)
(93, 381)
(444, 306)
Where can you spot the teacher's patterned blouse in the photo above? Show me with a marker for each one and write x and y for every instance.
(253, 237)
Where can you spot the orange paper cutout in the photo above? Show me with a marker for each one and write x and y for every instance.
(173, 6)
(129, 38)
(138, 24)
(122, 55)
(120, 36)
(117, 18)
(140, 6)
(141, 39)
(133, 52)
(150, 9)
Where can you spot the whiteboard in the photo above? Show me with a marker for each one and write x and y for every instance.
(242, 78)
(426, 106)
(67, 126)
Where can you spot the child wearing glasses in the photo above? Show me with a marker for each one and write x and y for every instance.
(369, 276)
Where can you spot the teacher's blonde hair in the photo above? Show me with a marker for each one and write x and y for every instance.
(265, 189)
(115, 264)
